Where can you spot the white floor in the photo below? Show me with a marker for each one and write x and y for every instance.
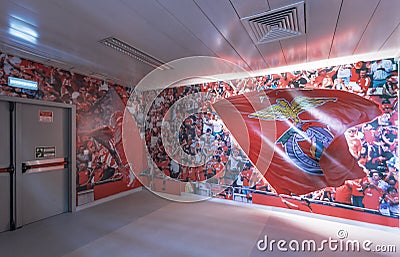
(143, 224)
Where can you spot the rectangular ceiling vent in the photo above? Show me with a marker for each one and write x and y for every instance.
(134, 53)
(277, 24)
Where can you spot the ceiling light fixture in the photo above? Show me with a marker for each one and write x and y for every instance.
(135, 53)
(328, 62)
(21, 29)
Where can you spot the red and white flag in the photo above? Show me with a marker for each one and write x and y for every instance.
(295, 137)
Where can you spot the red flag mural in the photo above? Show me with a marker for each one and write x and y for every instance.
(296, 137)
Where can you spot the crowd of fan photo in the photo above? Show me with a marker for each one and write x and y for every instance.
(202, 134)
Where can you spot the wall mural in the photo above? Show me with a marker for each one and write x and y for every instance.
(102, 168)
(371, 141)
(227, 172)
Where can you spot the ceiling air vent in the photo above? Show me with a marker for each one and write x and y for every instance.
(277, 24)
(134, 53)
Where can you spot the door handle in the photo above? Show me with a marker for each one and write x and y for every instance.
(44, 162)
(7, 170)
(44, 165)
(43, 169)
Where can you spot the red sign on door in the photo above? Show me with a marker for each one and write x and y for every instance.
(45, 116)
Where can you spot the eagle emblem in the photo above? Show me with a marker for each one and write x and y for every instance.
(305, 140)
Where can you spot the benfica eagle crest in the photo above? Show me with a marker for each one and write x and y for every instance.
(305, 140)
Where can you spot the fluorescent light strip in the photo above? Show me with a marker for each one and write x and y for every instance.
(22, 35)
(302, 66)
(132, 52)
(329, 62)
(20, 28)
(23, 29)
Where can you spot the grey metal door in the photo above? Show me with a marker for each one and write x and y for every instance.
(42, 140)
(37, 142)
(5, 164)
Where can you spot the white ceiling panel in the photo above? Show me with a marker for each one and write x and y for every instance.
(69, 31)
(393, 42)
(274, 4)
(321, 17)
(248, 8)
(126, 24)
(165, 23)
(188, 13)
(273, 54)
(19, 11)
(71, 36)
(223, 16)
(387, 15)
(295, 49)
(66, 23)
(51, 39)
(353, 20)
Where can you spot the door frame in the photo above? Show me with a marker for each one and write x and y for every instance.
(71, 144)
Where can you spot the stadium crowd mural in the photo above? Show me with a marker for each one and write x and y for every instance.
(373, 144)
(99, 112)
(101, 159)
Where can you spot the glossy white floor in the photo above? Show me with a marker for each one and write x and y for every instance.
(143, 224)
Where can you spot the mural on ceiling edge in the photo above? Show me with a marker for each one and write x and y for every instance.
(370, 196)
(102, 168)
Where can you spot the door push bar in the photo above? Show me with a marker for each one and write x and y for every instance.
(7, 170)
(37, 166)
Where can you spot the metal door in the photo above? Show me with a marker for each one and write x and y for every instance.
(42, 140)
(37, 161)
(5, 165)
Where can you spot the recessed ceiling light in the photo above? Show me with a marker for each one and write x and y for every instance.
(18, 27)
(134, 53)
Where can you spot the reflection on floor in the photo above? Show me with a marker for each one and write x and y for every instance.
(143, 224)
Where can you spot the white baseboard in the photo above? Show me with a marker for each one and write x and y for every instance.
(108, 198)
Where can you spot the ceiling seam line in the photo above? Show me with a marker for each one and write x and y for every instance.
(255, 45)
(269, 6)
(365, 29)
(283, 53)
(306, 30)
(389, 37)
(229, 43)
(191, 32)
(153, 25)
(334, 32)
(306, 49)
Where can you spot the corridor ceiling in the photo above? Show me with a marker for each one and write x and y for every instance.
(68, 33)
